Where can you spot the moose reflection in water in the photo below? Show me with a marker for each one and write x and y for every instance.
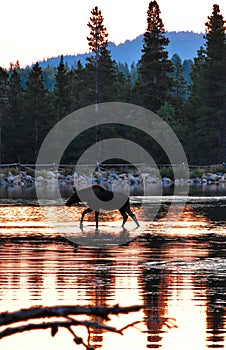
(105, 196)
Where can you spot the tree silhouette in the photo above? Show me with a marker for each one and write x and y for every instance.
(62, 91)
(37, 112)
(3, 111)
(180, 89)
(100, 68)
(16, 118)
(207, 103)
(154, 81)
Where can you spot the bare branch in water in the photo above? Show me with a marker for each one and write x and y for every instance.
(64, 311)
(67, 313)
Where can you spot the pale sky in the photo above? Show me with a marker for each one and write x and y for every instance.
(33, 30)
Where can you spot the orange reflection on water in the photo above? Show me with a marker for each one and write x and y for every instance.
(188, 223)
(185, 300)
(166, 276)
(190, 315)
(18, 221)
(21, 214)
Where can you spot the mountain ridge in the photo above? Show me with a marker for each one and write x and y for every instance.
(185, 44)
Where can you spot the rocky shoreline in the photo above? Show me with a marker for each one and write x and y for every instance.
(110, 180)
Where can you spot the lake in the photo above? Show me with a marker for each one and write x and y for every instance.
(176, 272)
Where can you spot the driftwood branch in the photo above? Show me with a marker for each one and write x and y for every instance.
(55, 325)
(66, 312)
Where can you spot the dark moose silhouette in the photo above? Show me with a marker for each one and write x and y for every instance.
(105, 196)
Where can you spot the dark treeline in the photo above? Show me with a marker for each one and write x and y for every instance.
(190, 96)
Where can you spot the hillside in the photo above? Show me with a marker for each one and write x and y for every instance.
(185, 44)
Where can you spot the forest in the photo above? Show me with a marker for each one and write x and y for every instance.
(189, 96)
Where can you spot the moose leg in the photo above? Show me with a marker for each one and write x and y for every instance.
(96, 217)
(124, 215)
(88, 210)
(132, 215)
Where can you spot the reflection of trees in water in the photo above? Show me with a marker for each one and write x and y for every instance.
(212, 284)
(159, 281)
(36, 279)
(216, 294)
(215, 320)
(215, 212)
(98, 283)
(17, 192)
(21, 270)
(57, 269)
(207, 212)
(91, 273)
(153, 281)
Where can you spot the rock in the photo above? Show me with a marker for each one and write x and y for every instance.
(212, 177)
(167, 180)
(50, 175)
(40, 179)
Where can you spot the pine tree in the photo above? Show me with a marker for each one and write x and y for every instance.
(215, 35)
(207, 104)
(62, 91)
(3, 113)
(38, 116)
(214, 69)
(100, 68)
(123, 68)
(124, 88)
(180, 88)
(98, 32)
(133, 72)
(154, 82)
(187, 68)
(16, 118)
(215, 76)
(78, 87)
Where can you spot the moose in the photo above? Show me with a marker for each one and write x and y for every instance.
(105, 196)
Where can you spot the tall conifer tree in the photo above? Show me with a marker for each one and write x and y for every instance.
(180, 88)
(16, 118)
(4, 85)
(208, 95)
(62, 91)
(100, 67)
(154, 81)
(215, 76)
(37, 112)
(77, 88)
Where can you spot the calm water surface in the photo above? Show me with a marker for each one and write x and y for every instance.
(178, 273)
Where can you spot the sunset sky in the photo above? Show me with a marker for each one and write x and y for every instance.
(31, 31)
